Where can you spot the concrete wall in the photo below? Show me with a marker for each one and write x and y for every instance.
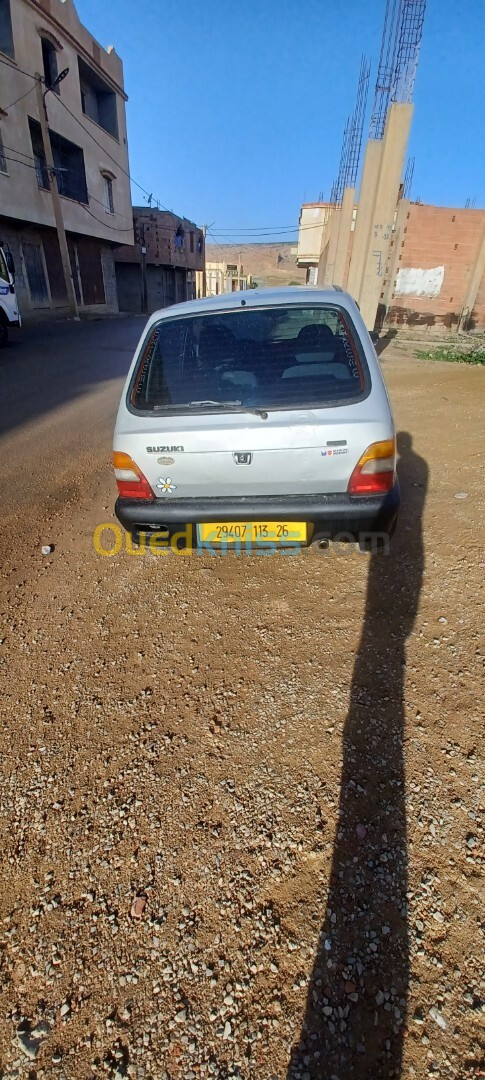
(382, 216)
(20, 196)
(363, 223)
(439, 250)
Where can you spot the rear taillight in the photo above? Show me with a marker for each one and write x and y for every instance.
(375, 472)
(132, 484)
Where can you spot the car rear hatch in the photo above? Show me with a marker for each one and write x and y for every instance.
(275, 400)
(289, 453)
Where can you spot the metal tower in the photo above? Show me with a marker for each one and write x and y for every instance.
(408, 179)
(386, 69)
(410, 34)
(338, 184)
(398, 61)
(352, 139)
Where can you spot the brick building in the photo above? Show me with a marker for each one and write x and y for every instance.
(434, 273)
(160, 269)
(437, 252)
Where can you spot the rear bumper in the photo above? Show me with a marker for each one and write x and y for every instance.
(330, 515)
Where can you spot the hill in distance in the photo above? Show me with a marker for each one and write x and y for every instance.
(269, 264)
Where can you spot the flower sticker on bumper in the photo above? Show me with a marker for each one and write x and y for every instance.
(166, 486)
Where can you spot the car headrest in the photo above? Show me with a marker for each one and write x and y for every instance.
(217, 341)
(315, 336)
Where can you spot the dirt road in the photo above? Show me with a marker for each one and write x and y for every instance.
(240, 804)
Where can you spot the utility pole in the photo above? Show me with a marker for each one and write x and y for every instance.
(56, 202)
(144, 282)
(204, 276)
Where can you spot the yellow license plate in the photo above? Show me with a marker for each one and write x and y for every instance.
(242, 532)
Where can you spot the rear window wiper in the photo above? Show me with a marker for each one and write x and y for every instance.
(208, 403)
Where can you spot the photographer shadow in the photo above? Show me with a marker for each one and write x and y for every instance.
(357, 994)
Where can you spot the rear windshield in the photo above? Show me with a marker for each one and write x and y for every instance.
(259, 357)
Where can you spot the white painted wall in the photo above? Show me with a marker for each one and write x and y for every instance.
(411, 281)
(313, 218)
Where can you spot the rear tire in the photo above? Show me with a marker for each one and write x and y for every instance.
(3, 331)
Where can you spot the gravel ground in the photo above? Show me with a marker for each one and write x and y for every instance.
(240, 804)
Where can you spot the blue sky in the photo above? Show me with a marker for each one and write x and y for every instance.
(236, 111)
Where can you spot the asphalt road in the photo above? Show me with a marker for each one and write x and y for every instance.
(240, 829)
(60, 386)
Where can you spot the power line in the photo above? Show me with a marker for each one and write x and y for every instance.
(267, 230)
(13, 67)
(14, 150)
(101, 203)
(17, 162)
(270, 232)
(258, 228)
(29, 91)
(256, 239)
(101, 147)
(214, 239)
(166, 228)
(114, 228)
(149, 195)
(104, 223)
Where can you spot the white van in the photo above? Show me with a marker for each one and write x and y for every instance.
(259, 417)
(9, 312)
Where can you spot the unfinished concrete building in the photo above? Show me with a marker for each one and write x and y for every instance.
(362, 241)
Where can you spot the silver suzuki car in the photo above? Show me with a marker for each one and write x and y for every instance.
(257, 418)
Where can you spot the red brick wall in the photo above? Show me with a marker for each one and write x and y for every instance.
(439, 236)
(158, 228)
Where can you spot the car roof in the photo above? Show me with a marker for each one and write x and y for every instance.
(249, 298)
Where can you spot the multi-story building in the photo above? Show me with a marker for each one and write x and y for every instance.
(87, 124)
(161, 268)
(225, 277)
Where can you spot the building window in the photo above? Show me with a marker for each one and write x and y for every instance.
(108, 194)
(39, 156)
(180, 238)
(6, 35)
(3, 160)
(191, 241)
(98, 101)
(68, 162)
(49, 57)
